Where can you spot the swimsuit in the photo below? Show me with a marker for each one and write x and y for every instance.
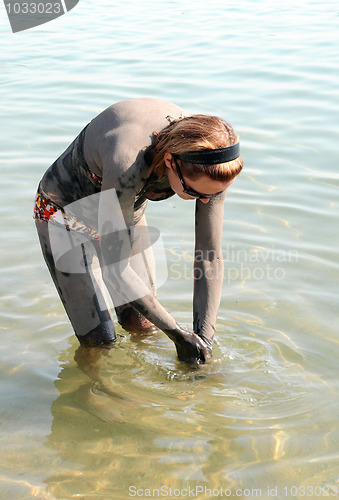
(47, 210)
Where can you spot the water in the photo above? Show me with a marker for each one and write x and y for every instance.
(264, 417)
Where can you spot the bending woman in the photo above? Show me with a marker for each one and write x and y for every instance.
(90, 217)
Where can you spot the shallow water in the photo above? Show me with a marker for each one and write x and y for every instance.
(263, 418)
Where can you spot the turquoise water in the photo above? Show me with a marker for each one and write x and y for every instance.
(263, 417)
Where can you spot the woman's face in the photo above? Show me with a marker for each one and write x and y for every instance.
(201, 185)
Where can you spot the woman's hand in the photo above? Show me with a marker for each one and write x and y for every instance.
(190, 347)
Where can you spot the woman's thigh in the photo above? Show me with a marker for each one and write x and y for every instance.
(143, 264)
(75, 270)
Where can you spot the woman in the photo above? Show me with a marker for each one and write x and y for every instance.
(90, 217)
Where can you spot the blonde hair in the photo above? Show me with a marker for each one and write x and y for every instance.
(194, 133)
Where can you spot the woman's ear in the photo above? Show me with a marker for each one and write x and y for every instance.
(168, 160)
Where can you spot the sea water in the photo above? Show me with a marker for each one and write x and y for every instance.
(262, 419)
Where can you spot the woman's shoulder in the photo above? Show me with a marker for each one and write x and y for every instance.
(125, 128)
(139, 112)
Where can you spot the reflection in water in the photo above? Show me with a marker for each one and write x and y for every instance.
(215, 425)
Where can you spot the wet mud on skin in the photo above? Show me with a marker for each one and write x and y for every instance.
(109, 155)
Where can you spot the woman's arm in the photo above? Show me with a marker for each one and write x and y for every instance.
(208, 267)
(122, 269)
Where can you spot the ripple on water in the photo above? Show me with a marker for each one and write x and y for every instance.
(256, 379)
(257, 402)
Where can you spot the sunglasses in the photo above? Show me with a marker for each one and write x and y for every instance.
(190, 191)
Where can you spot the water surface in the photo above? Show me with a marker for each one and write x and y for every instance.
(264, 415)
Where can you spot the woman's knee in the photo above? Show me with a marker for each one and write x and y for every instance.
(133, 321)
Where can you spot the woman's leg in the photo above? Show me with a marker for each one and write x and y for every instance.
(130, 319)
(78, 280)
